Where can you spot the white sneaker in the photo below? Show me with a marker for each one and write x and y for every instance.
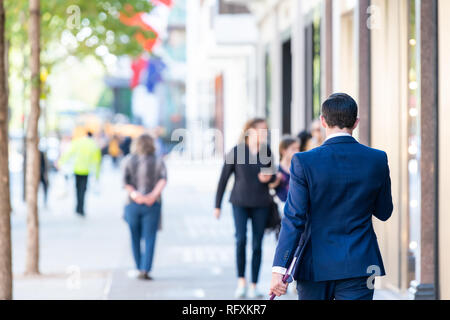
(240, 292)
(133, 273)
(253, 293)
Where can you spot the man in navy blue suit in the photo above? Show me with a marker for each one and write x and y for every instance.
(334, 191)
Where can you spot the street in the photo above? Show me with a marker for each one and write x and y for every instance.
(91, 258)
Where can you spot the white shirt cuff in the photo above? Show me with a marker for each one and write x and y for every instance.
(279, 270)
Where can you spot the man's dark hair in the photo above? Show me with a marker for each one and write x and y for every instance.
(89, 134)
(340, 110)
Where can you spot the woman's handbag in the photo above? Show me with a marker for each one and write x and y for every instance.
(274, 219)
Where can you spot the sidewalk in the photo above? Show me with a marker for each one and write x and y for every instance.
(195, 253)
(77, 256)
(91, 258)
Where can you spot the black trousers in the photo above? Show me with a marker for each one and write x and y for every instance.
(259, 218)
(81, 186)
(44, 182)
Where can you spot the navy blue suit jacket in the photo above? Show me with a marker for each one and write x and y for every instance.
(334, 192)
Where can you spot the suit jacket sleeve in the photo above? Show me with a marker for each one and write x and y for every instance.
(227, 170)
(383, 203)
(295, 215)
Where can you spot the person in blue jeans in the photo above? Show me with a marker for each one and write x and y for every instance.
(251, 163)
(145, 177)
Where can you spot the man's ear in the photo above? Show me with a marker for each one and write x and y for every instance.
(356, 123)
(323, 122)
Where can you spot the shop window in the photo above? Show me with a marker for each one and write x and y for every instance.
(268, 85)
(312, 66)
(316, 66)
(287, 87)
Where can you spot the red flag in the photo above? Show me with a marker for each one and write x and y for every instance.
(135, 21)
(168, 3)
(137, 66)
(147, 44)
(130, 18)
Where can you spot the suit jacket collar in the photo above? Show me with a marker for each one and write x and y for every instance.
(341, 139)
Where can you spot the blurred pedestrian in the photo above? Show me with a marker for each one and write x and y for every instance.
(44, 175)
(87, 157)
(318, 136)
(288, 147)
(160, 146)
(145, 177)
(125, 146)
(114, 149)
(305, 139)
(103, 142)
(251, 162)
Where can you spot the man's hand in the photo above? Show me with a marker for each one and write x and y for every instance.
(277, 287)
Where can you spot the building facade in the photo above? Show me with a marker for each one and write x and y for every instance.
(220, 83)
(391, 56)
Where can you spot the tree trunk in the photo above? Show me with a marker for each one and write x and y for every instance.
(5, 206)
(33, 157)
(24, 112)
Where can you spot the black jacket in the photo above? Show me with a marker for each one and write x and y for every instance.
(247, 191)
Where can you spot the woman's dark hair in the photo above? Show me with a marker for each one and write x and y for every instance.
(285, 143)
(340, 110)
(304, 137)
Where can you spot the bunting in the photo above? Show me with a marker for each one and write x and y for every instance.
(137, 67)
(168, 3)
(133, 19)
(154, 73)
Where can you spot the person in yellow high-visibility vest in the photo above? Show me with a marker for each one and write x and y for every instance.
(86, 156)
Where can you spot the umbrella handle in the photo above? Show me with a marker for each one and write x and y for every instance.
(285, 279)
